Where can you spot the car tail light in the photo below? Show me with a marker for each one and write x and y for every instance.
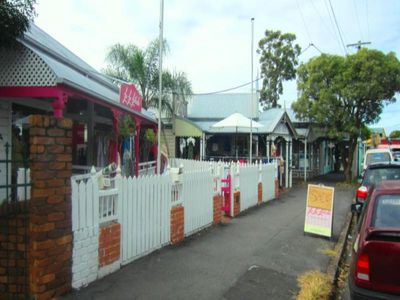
(362, 192)
(362, 268)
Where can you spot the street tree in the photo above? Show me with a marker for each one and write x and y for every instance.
(15, 16)
(278, 61)
(343, 94)
(395, 134)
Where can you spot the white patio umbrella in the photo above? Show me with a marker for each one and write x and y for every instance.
(236, 121)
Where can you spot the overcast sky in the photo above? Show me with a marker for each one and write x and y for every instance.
(210, 40)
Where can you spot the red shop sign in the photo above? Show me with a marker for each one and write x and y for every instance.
(130, 97)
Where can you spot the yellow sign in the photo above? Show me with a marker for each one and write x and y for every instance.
(319, 210)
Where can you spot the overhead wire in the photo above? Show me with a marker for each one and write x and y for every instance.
(323, 20)
(338, 27)
(367, 18)
(358, 20)
(304, 21)
(332, 22)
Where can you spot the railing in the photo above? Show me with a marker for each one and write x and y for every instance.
(108, 201)
(147, 168)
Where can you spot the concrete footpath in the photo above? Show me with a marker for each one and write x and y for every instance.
(255, 256)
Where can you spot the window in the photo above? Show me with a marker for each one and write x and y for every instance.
(387, 212)
(377, 157)
(374, 176)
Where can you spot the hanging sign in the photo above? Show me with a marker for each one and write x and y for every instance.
(319, 210)
(130, 97)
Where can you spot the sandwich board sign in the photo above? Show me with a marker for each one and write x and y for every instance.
(319, 210)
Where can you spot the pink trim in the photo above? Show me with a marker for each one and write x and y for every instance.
(137, 145)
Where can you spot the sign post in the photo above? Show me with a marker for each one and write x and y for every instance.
(319, 210)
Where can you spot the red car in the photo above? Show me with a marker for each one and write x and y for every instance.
(375, 266)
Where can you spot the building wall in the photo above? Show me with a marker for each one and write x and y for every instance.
(169, 139)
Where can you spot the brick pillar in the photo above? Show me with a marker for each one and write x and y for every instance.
(260, 191)
(276, 188)
(236, 203)
(50, 248)
(217, 207)
(177, 224)
(109, 243)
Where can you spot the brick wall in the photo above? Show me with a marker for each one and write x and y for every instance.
(13, 250)
(217, 209)
(276, 188)
(85, 256)
(109, 243)
(177, 224)
(50, 207)
(236, 203)
(260, 193)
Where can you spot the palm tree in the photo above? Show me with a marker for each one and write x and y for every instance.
(140, 66)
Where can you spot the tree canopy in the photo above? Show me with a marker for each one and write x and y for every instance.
(343, 94)
(395, 134)
(15, 16)
(278, 62)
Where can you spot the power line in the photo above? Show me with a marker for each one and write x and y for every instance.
(332, 22)
(367, 17)
(338, 28)
(358, 19)
(323, 20)
(304, 21)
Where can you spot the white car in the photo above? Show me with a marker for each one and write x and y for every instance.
(377, 156)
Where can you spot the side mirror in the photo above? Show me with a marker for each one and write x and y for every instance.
(356, 208)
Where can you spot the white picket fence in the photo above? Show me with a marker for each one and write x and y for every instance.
(248, 185)
(142, 206)
(145, 218)
(268, 176)
(189, 164)
(197, 194)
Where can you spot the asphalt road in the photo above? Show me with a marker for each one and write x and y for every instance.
(255, 256)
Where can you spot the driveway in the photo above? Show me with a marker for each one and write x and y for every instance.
(255, 256)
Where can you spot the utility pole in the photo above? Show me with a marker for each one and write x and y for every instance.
(161, 42)
(358, 45)
(252, 93)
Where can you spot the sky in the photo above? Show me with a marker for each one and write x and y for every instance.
(210, 40)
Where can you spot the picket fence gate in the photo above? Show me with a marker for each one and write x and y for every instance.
(197, 195)
(268, 176)
(145, 215)
(248, 185)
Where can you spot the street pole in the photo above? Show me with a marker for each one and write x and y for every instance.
(252, 93)
(161, 40)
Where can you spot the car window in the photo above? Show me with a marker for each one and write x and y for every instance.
(387, 211)
(374, 176)
(377, 157)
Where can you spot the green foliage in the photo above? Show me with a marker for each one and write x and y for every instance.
(150, 136)
(278, 63)
(395, 134)
(140, 66)
(15, 16)
(342, 94)
(127, 126)
(365, 133)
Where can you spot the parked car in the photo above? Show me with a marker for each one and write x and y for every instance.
(374, 269)
(377, 156)
(374, 174)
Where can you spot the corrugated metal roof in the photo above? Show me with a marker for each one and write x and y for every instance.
(219, 105)
(72, 70)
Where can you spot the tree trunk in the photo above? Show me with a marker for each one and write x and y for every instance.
(348, 166)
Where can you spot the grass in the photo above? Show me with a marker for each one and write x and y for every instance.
(329, 252)
(314, 285)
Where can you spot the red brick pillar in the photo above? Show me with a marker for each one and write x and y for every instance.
(236, 203)
(50, 231)
(177, 224)
(276, 188)
(217, 207)
(260, 191)
(109, 243)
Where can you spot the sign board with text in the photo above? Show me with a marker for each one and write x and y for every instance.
(319, 210)
(130, 97)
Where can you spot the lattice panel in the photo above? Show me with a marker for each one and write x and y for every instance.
(22, 67)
